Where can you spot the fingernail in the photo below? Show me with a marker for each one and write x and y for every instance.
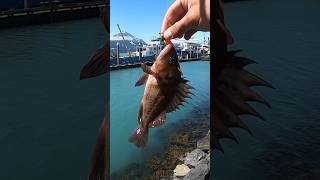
(167, 34)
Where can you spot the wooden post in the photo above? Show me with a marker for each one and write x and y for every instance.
(118, 54)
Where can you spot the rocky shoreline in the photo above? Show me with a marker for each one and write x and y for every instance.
(196, 164)
(186, 157)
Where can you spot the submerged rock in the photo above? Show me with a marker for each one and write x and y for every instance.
(194, 157)
(163, 166)
(181, 170)
(204, 143)
(179, 139)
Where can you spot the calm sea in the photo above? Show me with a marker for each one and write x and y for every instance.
(283, 36)
(49, 119)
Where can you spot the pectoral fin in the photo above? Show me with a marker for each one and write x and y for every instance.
(148, 70)
(160, 120)
(98, 64)
(143, 79)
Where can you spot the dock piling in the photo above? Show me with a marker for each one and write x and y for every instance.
(140, 51)
(118, 53)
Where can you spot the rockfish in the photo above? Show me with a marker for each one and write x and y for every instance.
(165, 91)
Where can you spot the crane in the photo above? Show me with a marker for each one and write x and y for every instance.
(129, 52)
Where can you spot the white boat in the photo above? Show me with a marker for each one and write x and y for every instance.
(152, 48)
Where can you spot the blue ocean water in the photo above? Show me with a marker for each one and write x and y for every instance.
(125, 103)
(283, 37)
(49, 119)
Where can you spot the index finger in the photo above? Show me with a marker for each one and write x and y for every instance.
(175, 12)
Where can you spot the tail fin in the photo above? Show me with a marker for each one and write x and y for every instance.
(140, 137)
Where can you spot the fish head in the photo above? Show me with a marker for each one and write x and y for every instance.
(167, 60)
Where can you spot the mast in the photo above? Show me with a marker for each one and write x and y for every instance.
(129, 52)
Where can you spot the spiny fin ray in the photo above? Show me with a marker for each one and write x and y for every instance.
(182, 92)
(231, 96)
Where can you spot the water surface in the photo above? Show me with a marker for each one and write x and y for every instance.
(49, 119)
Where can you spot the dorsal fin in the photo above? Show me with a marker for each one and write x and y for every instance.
(142, 80)
(183, 91)
(231, 97)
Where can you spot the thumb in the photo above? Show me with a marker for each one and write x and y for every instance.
(179, 28)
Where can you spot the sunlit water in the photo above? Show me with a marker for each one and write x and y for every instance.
(49, 119)
(125, 103)
(283, 36)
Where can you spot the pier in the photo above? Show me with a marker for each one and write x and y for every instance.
(49, 13)
(138, 64)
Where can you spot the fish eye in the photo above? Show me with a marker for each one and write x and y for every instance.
(171, 60)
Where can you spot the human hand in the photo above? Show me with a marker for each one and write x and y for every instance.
(186, 17)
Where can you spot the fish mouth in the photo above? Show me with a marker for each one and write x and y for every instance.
(168, 51)
(169, 47)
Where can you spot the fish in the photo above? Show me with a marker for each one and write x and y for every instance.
(166, 89)
(98, 65)
(231, 86)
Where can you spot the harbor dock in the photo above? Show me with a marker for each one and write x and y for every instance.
(49, 13)
(138, 64)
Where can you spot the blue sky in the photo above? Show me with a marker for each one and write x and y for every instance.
(141, 18)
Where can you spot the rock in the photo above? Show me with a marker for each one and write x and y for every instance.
(179, 139)
(204, 161)
(199, 172)
(181, 170)
(208, 156)
(194, 157)
(204, 143)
